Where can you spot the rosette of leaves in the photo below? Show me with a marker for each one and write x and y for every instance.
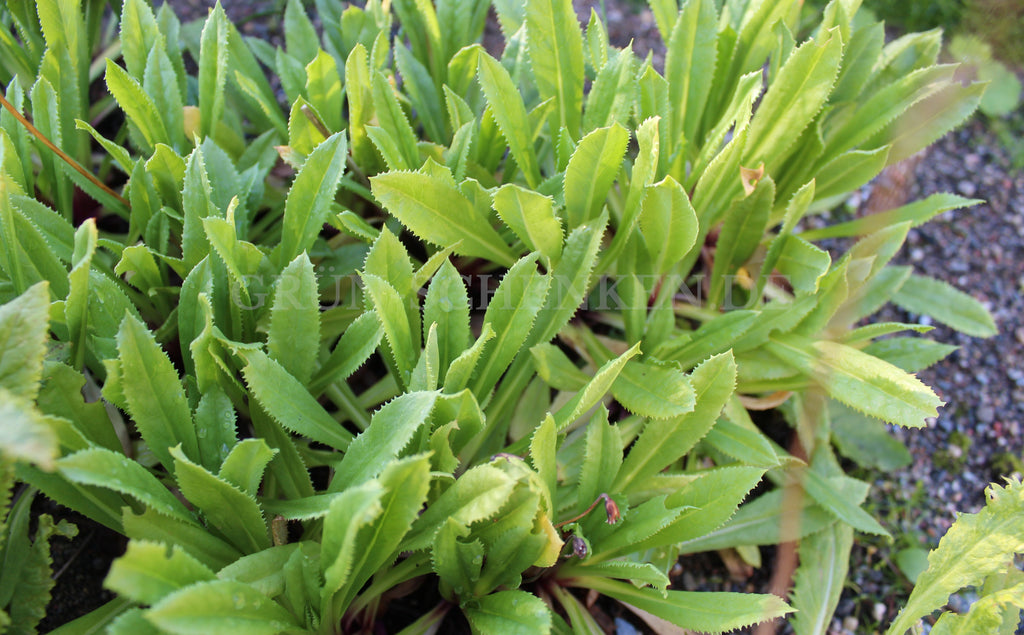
(451, 328)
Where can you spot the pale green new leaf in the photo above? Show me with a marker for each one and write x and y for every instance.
(595, 390)
(532, 217)
(349, 512)
(613, 95)
(385, 300)
(824, 562)
(591, 171)
(977, 545)
(24, 332)
(220, 606)
(945, 304)
(25, 434)
(244, 465)
(859, 380)
(476, 495)
(668, 223)
(997, 612)
(150, 571)
(792, 101)
(434, 209)
(405, 486)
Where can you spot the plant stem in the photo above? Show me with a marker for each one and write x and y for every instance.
(60, 153)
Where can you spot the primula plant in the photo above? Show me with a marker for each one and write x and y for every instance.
(455, 338)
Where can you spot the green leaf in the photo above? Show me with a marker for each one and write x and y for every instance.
(511, 312)
(824, 562)
(352, 350)
(405, 486)
(706, 612)
(349, 512)
(555, 45)
(977, 545)
(918, 213)
(509, 612)
(150, 571)
(613, 95)
(912, 354)
(543, 445)
(792, 101)
(595, 390)
(556, 369)
(105, 468)
(570, 280)
(690, 62)
(668, 223)
(392, 121)
(447, 306)
(323, 88)
(834, 498)
(233, 512)
(602, 458)
(662, 442)
(652, 390)
(288, 402)
(212, 551)
(24, 332)
(866, 440)
(137, 105)
(213, 70)
(243, 467)
(309, 199)
(759, 522)
(435, 209)
(802, 264)
(390, 431)
(532, 217)
(859, 380)
(294, 336)
(510, 114)
(300, 37)
(947, 305)
(591, 171)
(154, 394)
(476, 495)
(461, 369)
(390, 308)
(928, 120)
(139, 35)
(744, 227)
(220, 606)
(420, 88)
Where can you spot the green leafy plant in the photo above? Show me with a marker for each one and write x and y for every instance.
(455, 327)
